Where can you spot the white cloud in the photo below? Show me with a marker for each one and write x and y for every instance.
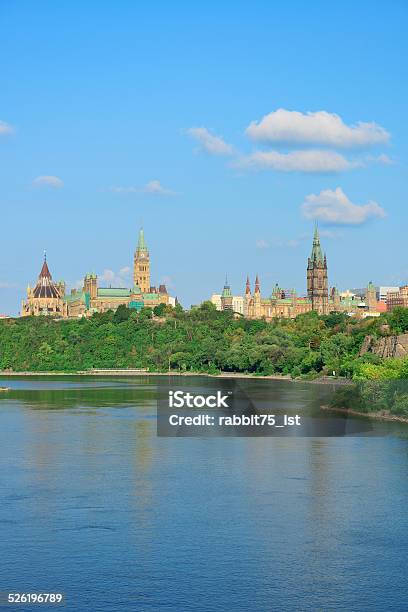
(48, 181)
(153, 187)
(116, 279)
(262, 244)
(157, 187)
(211, 143)
(168, 281)
(315, 128)
(297, 161)
(7, 285)
(334, 207)
(281, 243)
(6, 128)
(384, 159)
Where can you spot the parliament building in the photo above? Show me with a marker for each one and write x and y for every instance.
(285, 303)
(49, 297)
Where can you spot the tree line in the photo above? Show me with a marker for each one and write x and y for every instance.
(201, 340)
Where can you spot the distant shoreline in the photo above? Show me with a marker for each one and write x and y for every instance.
(136, 372)
(378, 416)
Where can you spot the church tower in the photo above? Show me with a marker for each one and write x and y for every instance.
(371, 297)
(257, 299)
(141, 265)
(317, 287)
(226, 297)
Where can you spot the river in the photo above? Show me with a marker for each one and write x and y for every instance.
(95, 505)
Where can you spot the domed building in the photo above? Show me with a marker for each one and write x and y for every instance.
(49, 298)
(46, 297)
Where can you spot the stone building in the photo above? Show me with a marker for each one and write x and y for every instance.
(50, 298)
(46, 297)
(397, 298)
(285, 303)
(317, 287)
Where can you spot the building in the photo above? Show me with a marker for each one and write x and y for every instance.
(285, 303)
(383, 291)
(50, 298)
(227, 301)
(46, 298)
(397, 298)
(317, 287)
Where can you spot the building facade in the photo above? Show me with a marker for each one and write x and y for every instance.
(397, 298)
(50, 298)
(46, 298)
(317, 285)
(285, 303)
(227, 301)
(384, 291)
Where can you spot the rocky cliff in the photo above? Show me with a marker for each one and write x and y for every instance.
(388, 346)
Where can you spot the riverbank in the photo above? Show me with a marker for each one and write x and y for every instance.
(139, 372)
(380, 415)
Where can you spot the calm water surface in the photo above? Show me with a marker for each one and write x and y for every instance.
(95, 505)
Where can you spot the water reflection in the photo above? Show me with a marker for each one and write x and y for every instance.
(93, 503)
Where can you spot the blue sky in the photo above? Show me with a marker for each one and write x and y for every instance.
(100, 104)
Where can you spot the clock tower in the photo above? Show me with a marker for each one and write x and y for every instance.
(141, 265)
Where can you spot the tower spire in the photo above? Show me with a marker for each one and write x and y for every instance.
(141, 265)
(141, 245)
(317, 282)
(257, 287)
(45, 273)
(317, 254)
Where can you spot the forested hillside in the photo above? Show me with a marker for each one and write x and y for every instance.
(200, 340)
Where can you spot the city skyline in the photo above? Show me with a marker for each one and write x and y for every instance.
(51, 296)
(225, 153)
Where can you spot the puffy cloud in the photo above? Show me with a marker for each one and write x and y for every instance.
(334, 207)
(48, 181)
(157, 187)
(281, 243)
(153, 187)
(384, 159)
(318, 128)
(5, 128)
(262, 244)
(116, 279)
(297, 161)
(211, 143)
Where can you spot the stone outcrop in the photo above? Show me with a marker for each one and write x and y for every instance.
(386, 347)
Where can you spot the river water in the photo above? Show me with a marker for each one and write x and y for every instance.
(96, 506)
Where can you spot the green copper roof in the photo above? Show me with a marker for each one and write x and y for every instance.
(113, 292)
(226, 292)
(370, 287)
(151, 296)
(317, 253)
(78, 296)
(141, 245)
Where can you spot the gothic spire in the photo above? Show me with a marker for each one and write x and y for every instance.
(248, 286)
(257, 287)
(141, 245)
(45, 273)
(317, 254)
